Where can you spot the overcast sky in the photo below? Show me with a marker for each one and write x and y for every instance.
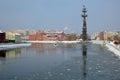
(59, 15)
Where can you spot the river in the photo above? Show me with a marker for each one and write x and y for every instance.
(59, 62)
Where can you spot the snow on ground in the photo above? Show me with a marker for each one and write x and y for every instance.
(53, 41)
(11, 46)
(110, 45)
(97, 41)
(28, 43)
(114, 48)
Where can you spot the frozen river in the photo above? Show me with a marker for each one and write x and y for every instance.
(59, 62)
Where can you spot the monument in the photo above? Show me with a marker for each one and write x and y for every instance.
(84, 28)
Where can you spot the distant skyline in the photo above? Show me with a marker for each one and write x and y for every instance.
(59, 15)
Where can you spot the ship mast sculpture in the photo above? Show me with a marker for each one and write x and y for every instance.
(84, 29)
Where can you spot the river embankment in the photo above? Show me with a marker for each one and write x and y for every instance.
(110, 46)
(53, 41)
(113, 47)
(6, 46)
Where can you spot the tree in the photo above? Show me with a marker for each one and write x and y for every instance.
(72, 36)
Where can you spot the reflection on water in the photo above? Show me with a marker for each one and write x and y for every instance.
(84, 52)
(37, 45)
(3, 53)
(40, 48)
(10, 53)
(60, 62)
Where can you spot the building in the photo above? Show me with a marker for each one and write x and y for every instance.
(95, 36)
(2, 37)
(104, 35)
(118, 34)
(108, 35)
(48, 36)
(13, 37)
(72, 37)
(24, 33)
(101, 36)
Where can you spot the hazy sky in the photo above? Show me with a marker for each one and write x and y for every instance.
(59, 15)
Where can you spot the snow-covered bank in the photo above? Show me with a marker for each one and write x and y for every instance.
(113, 48)
(97, 41)
(11, 46)
(53, 41)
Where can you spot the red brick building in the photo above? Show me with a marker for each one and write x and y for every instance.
(101, 36)
(48, 36)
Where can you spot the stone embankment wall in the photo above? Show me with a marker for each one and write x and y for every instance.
(114, 48)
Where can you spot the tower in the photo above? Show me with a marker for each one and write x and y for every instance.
(84, 29)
